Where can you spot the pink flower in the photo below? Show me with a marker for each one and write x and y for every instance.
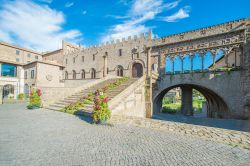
(39, 92)
(106, 100)
(97, 107)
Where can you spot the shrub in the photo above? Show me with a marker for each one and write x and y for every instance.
(101, 111)
(35, 99)
(21, 96)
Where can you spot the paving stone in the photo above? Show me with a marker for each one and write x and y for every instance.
(42, 137)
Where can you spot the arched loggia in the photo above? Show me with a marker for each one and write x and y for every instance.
(216, 106)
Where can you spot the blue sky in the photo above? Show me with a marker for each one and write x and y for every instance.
(42, 24)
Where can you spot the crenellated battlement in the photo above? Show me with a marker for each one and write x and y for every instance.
(202, 32)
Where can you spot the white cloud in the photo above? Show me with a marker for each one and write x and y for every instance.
(28, 24)
(84, 12)
(46, 1)
(69, 4)
(140, 12)
(181, 14)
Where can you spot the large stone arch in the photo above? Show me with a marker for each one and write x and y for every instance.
(217, 89)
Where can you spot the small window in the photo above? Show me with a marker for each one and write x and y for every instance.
(66, 61)
(93, 57)
(32, 74)
(36, 57)
(120, 52)
(17, 60)
(28, 61)
(25, 75)
(17, 52)
(28, 55)
(82, 58)
(137, 55)
(74, 60)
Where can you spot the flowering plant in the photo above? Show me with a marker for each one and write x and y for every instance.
(101, 111)
(35, 99)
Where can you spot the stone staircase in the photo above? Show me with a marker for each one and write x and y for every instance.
(88, 108)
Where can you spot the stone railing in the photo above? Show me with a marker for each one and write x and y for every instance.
(131, 101)
(231, 137)
(53, 94)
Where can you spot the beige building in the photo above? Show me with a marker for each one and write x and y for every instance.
(21, 69)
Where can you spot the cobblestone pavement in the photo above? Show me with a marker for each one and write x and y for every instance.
(41, 137)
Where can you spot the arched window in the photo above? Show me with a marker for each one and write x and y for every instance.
(208, 61)
(197, 62)
(178, 64)
(187, 63)
(120, 71)
(93, 73)
(74, 74)
(66, 75)
(83, 74)
(169, 65)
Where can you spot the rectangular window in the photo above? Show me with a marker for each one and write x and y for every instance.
(36, 57)
(74, 60)
(28, 55)
(82, 58)
(8, 70)
(32, 74)
(25, 75)
(66, 61)
(93, 57)
(17, 52)
(17, 59)
(120, 52)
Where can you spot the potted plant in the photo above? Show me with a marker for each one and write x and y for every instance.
(35, 99)
(101, 112)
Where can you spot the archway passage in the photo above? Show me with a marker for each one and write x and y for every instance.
(8, 91)
(120, 71)
(137, 70)
(215, 106)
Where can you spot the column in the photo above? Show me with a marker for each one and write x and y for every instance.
(162, 64)
(0, 69)
(149, 62)
(105, 58)
(1, 94)
(187, 100)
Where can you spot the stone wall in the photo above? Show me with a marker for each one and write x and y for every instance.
(234, 138)
(132, 51)
(77, 83)
(130, 102)
(224, 87)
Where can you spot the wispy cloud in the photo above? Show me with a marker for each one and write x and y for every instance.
(84, 12)
(39, 27)
(140, 12)
(181, 14)
(46, 1)
(69, 4)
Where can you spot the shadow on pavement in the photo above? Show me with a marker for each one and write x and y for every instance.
(231, 124)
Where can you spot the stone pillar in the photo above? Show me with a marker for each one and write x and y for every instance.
(149, 62)
(0, 69)
(1, 94)
(105, 58)
(162, 64)
(246, 73)
(187, 100)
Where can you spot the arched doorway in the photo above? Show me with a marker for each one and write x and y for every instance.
(26, 89)
(120, 71)
(93, 73)
(83, 74)
(74, 75)
(137, 70)
(8, 91)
